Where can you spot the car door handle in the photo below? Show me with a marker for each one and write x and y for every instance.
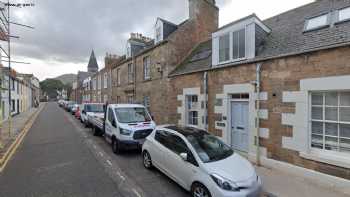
(240, 128)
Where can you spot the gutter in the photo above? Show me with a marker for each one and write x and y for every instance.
(205, 90)
(260, 59)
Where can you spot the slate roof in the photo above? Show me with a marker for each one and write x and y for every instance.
(192, 64)
(287, 36)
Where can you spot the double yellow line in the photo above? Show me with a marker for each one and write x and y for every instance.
(14, 146)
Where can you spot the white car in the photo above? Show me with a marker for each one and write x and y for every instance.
(200, 163)
(90, 109)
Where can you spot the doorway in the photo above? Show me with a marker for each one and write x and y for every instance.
(239, 125)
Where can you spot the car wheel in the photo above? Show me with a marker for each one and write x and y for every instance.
(115, 146)
(199, 190)
(147, 160)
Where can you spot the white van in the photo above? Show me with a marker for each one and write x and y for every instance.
(127, 126)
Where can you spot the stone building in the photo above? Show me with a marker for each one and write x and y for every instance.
(98, 87)
(77, 89)
(142, 77)
(281, 83)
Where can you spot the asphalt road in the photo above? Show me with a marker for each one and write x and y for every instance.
(59, 157)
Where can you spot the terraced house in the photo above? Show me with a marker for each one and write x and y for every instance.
(142, 77)
(276, 90)
(98, 87)
(24, 89)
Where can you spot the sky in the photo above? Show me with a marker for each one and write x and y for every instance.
(67, 30)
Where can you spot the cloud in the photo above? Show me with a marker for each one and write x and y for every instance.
(67, 30)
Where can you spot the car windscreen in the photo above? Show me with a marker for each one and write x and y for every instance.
(97, 108)
(208, 147)
(132, 115)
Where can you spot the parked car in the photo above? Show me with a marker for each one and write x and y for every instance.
(91, 109)
(77, 112)
(74, 109)
(127, 125)
(60, 103)
(200, 162)
(70, 105)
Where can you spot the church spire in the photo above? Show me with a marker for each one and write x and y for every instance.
(92, 66)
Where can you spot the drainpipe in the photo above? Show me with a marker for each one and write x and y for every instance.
(258, 72)
(205, 90)
(134, 67)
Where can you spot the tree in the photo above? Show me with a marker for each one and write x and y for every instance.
(51, 86)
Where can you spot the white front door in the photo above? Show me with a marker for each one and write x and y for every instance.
(239, 125)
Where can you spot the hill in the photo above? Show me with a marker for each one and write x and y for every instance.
(67, 78)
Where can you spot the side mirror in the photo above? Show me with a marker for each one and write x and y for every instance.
(152, 118)
(114, 124)
(83, 112)
(183, 156)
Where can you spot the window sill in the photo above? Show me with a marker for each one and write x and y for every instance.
(231, 61)
(145, 80)
(316, 28)
(328, 157)
(342, 21)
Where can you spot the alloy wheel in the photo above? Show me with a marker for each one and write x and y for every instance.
(200, 191)
(147, 162)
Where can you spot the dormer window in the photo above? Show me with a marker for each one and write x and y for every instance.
(316, 22)
(158, 31)
(128, 50)
(158, 34)
(163, 29)
(238, 40)
(238, 48)
(236, 45)
(344, 14)
(224, 48)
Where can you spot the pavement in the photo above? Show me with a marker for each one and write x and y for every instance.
(278, 183)
(7, 137)
(59, 157)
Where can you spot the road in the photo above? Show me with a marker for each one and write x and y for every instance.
(59, 157)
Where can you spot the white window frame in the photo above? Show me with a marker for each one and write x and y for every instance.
(118, 77)
(307, 22)
(346, 9)
(191, 119)
(105, 80)
(158, 34)
(245, 45)
(338, 122)
(229, 47)
(230, 33)
(147, 68)
(131, 73)
(192, 106)
(99, 81)
(128, 50)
